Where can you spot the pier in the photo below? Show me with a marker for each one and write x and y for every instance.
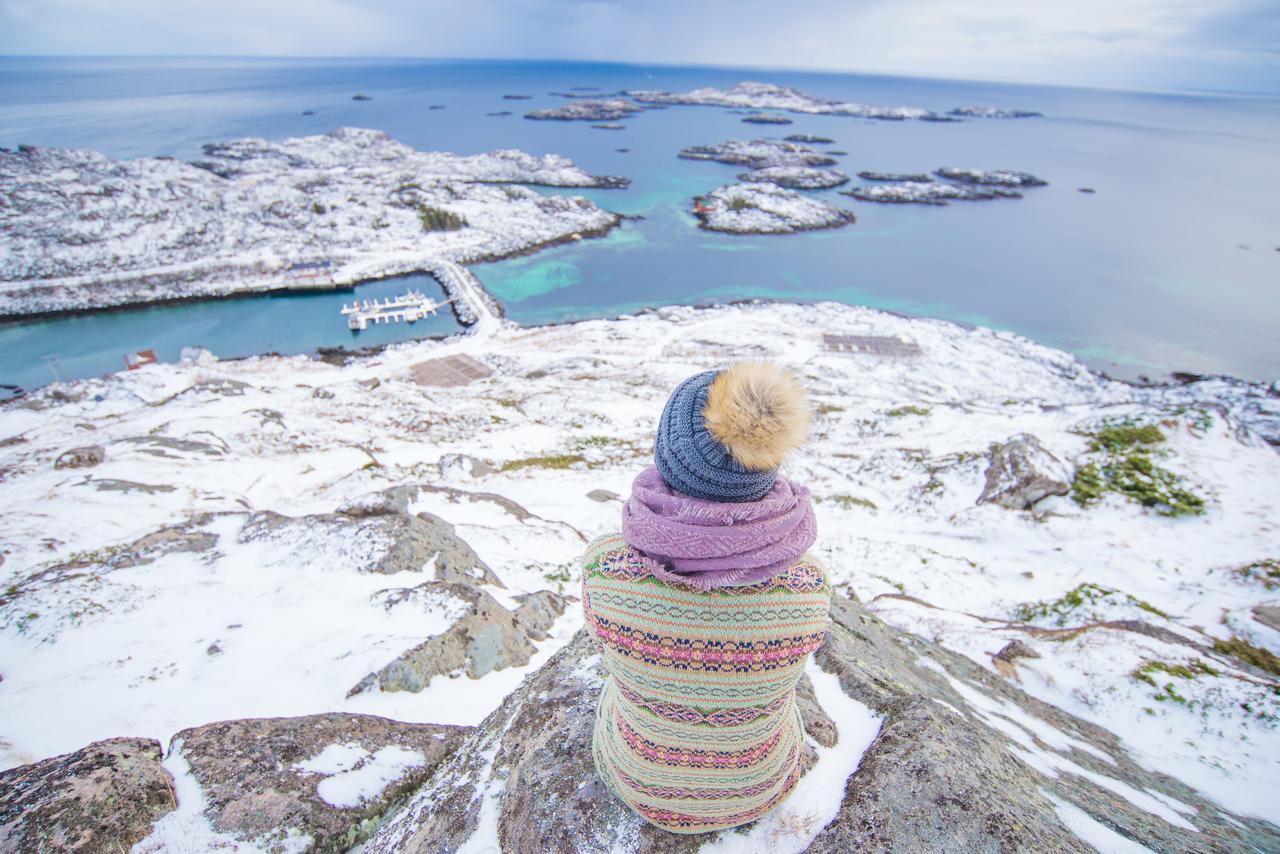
(410, 307)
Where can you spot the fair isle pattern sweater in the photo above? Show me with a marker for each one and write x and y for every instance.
(697, 727)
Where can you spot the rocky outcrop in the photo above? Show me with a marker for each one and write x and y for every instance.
(329, 777)
(103, 797)
(538, 612)
(761, 208)
(484, 637)
(1021, 472)
(81, 458)
(964, 760)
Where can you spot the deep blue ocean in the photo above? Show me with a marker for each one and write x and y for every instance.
(1172, 264)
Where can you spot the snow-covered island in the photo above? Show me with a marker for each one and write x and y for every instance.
(810, 138)
(918, 177)
(771, 96)
(991, 177)
(759, 153)
(927, 192)
(765, 208)
(1055, 621)
(81, 230)
(962, 184)
(590, 110)
(797, 177)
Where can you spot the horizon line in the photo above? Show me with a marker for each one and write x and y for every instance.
(786, 69)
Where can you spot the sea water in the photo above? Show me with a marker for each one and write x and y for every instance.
(1173, 263)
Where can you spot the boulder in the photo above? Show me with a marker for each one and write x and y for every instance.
(538, 612)
(330, 777)
(81, 458)
(1268, 615)
(103, 797)
(953, 768)
(486, 637)
(375, 534)
(603, 495)
(1021, 472)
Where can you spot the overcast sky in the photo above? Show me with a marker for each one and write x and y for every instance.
(1211, 44)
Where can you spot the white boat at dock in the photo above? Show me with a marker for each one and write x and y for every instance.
(410, 307)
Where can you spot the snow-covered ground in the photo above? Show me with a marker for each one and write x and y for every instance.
(79, 229)
(1105, 594)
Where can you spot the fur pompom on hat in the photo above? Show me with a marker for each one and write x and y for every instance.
(723, 434)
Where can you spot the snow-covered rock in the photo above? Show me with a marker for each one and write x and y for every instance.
(1021, 472)
(310, 783)
(797, 177)
(103, 797)
(588, 110)
(80, 229)
(765, 208)
(759, 153)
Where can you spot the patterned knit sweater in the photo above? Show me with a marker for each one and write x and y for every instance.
(697, 727)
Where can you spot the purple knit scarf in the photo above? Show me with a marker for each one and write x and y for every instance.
(710, 544)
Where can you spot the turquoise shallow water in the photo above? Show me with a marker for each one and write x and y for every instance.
(1170, 265)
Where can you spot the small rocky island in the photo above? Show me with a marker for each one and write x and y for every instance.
(810, 138)
(765, 208)
(766, 119)
(993, 113)
(961, 185)
(587, 111)
(82, 230)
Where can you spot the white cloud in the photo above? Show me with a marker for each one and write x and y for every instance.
(1109, 42)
